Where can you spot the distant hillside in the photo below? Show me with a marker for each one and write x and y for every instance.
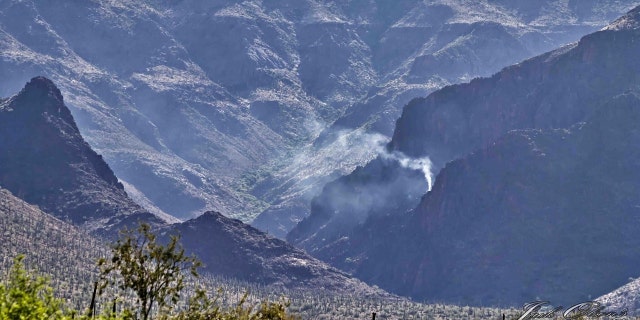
(68, 256)
(418, 47)
(624, 297)
(553, 90)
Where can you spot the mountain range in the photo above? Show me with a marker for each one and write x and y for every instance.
(46, 162)
(418, 47)
(250, 107)
(498, 191)
(67, 256)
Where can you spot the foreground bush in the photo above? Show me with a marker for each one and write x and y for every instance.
(150, 273)
(26, 296)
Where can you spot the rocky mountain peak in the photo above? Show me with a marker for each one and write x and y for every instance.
(41, 96)
(45, 161)
(43, 85)
(210, 216)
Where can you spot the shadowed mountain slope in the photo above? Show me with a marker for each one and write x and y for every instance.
(539, 213)
(233, 249)
(548, 188)
(45, 161)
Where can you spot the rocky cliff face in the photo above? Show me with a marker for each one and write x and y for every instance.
(418, 47)
(436, 43)
(46, 162)
(513, 195)
(553, 90)
(139, 98)
(539, 213)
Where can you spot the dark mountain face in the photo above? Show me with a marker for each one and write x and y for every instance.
(518, 207)
(549, 214)
(554, 90)
(45, 161)
(418, 47)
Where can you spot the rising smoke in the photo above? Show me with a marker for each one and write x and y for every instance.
(422, 164)
(390, 183)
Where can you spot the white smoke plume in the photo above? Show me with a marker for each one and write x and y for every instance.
(356, 146)
(360, 140)
(423, 164)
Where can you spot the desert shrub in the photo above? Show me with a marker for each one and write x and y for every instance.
(26, 295)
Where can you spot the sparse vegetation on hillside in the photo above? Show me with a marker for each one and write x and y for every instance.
(49, 246)
(67, 256)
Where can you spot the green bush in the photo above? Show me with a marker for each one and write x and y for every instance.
(155, 273)
(24, 295)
